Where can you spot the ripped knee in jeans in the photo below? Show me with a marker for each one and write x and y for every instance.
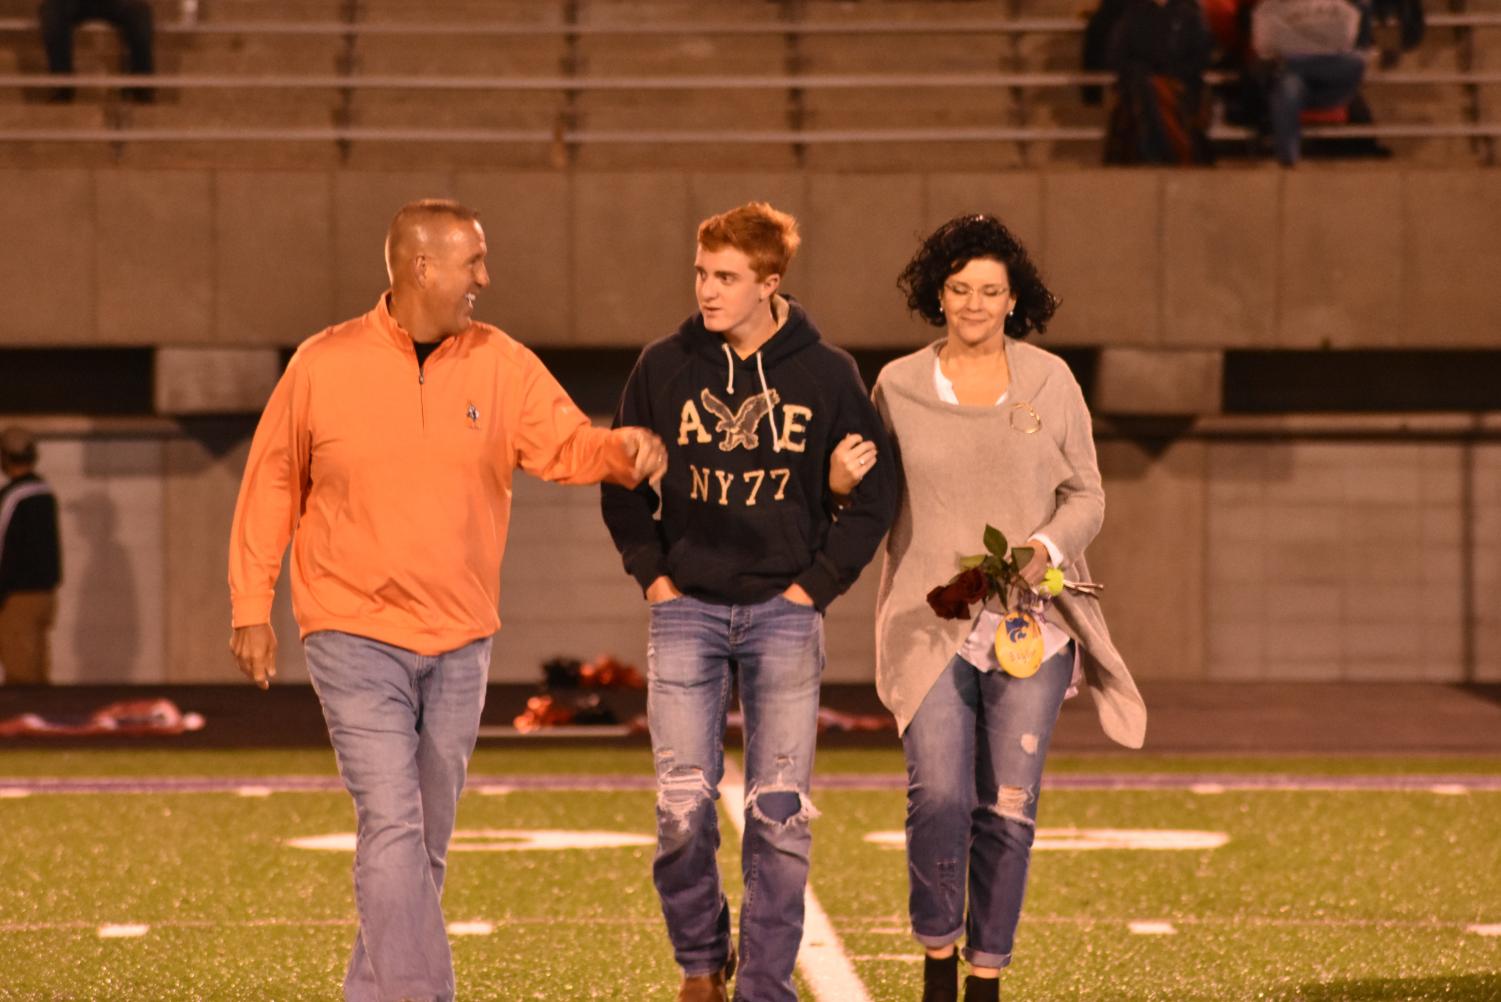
(1011, 802)
(682, 790)
(780, 805)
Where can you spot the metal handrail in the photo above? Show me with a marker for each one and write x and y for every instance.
(777, 82)
(996, 26)
(697, 137)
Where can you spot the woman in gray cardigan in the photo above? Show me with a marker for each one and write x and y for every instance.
(987, 429)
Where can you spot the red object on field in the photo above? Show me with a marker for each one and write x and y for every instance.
(127, 717)
(542, 711)
(604, 672)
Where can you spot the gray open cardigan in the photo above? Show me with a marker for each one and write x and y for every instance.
(963, 467)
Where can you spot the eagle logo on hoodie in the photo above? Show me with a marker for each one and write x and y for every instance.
(739, 427)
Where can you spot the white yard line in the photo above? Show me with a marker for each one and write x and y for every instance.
(1145, 928)
(471, 928)
(821, 956)
(123, 931)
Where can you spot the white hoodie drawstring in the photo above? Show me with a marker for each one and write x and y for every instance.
(729, 382)
(776, 438)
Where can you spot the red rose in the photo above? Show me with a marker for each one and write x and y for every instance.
(948, 602)
(972, 585)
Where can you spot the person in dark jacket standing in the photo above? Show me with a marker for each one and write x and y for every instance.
(747, 552)
(30, 562)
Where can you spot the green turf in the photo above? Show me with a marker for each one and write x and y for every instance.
(522, 758)
(1311, 889)
(510, 758)
(1318, 897)
(889, 760)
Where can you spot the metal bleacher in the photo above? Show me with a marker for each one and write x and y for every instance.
(759, 83)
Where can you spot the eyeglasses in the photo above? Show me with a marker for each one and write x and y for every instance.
(990, 293)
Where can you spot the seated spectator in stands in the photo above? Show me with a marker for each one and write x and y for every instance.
(131, 18)
(1314, 54)
(1159, 50)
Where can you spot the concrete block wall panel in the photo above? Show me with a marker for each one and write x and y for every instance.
(564, 591)
(202, 481)
(155, 256)
(1151, 555)
(1219, 258)
(631, 235)
(849, 268)
(110, 620)
(681, 157)
(1015, 199)
(880, 158)
(1141, 258)
(1323, 555)
(1148, 381)
(1452, 219)
(364, 204)
(1340, 272)
(850, 630)
(711, 192)
(215, 380)
(1483, 543)
(530, 295)
(288, 155)
(47, 258)
(1224, 560)
(274, 261)
(1102, 233)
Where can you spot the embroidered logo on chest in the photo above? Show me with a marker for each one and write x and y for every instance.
(739, 427)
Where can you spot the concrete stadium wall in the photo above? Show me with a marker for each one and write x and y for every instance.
(1293, 553)
(1283, 556)
(1364, 257)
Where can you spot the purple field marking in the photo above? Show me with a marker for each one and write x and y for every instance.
(1221, 782)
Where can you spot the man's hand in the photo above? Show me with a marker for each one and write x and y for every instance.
(1038, 565)
(662, 590)
(254, 648)
(648, 452)
(797, 595)
(850, 461)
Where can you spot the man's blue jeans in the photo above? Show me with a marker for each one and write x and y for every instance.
(975, 751)
(403, 727)
(1327, 81)
(778, 647)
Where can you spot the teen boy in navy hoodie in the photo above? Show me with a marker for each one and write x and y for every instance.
(746, 553)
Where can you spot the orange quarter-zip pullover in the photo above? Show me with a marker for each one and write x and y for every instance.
(393, 482)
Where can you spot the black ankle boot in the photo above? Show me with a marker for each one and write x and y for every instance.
(940, 979)
(982, 989)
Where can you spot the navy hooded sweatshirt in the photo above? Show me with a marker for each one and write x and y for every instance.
(745, 507)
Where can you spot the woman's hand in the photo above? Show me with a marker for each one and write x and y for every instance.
(1038, 565)
(850, 461)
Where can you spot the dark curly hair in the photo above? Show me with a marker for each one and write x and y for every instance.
(958, 242)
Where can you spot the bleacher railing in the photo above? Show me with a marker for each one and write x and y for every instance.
(569, 84)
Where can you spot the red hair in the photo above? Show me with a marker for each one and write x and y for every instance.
(767, 237)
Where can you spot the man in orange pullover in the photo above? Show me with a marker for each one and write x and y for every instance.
(388, 446)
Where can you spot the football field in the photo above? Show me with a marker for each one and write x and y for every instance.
(226, 875)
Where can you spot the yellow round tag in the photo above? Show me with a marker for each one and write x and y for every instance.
(1018, 644)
